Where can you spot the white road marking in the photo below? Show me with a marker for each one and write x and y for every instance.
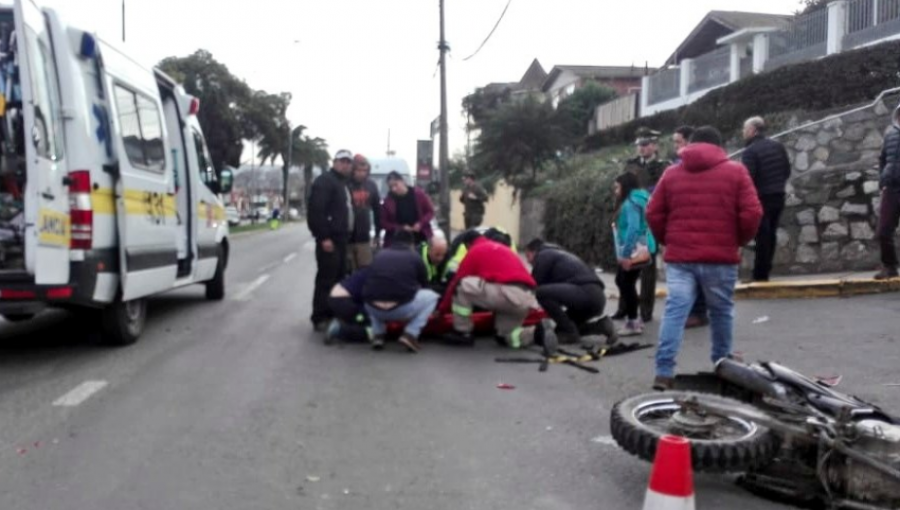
(81, 393)
(244, 294)
(290, 257)
(268, 267)
(605, 441)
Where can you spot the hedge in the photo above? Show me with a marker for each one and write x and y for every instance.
(835, 81)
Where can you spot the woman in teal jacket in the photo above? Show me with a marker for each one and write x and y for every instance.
(631, 231)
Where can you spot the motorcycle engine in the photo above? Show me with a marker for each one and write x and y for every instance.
(880, 441)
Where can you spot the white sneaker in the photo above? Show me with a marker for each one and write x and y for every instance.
(632, 328)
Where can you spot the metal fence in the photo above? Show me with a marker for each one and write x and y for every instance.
(664, 85)
(711, 70)
(805, 39)
(616, 112)
(871, 20)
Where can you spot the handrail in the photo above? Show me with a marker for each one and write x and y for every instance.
(829, 118)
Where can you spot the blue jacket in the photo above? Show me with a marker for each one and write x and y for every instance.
(632, 225)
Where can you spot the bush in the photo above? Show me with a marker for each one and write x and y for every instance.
(836, 81)
(579, 208)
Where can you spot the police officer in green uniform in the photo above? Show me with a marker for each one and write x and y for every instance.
(649, 167)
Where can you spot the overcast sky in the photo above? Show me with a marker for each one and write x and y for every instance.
(362, 67)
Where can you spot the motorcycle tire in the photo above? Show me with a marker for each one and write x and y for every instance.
(751, 448)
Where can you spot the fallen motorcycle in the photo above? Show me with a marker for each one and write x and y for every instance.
(792, 438)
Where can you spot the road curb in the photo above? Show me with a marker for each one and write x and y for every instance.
(810, 289)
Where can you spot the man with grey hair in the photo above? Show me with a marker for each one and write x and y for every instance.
(770, 169)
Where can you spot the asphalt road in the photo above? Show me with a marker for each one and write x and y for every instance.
(238, 405)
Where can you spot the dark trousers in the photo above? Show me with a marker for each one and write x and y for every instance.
(648, 290)
(887, 226)
(473, 220)
(571, 305)
(626, 281)
(352, 317)
(767, 237)
(332, 267)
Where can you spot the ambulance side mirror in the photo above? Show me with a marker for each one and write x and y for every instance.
(226, 181)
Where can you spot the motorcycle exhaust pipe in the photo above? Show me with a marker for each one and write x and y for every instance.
(745, 376)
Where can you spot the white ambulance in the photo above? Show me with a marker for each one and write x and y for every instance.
(107, 192)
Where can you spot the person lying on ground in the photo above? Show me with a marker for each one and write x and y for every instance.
(350, 323)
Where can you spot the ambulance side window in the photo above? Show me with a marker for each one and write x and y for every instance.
(141, 127)
(207, 173)
(47, 137)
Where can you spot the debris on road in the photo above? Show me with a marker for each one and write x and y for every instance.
(505, 386)
(830, 381)
(313, 479)
(761, 320)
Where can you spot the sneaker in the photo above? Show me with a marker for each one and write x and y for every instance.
(887, 273)
(661, 383)
(696, 321)
(410, 342)
(602, 326)
(632, 328)
(333, 332)
(377, 343)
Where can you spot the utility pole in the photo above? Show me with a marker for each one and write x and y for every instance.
(444, 154)
(285, 206)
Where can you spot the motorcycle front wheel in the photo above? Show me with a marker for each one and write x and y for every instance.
(719, 444)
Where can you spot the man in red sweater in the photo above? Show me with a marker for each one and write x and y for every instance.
(494, 278)
(703, 210)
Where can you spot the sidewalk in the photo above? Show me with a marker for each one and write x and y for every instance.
(792, 287)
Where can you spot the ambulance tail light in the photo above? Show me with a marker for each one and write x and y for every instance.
(81, 210)
(195, 106)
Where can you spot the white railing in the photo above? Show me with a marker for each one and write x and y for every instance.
(711, 70)
(841, 26)
(871, 20)
(665, 85)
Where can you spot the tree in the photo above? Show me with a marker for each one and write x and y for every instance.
(518, 141)
(578, 109)
(482, 103)
(813, 5)
(222, 98)
(309, 153)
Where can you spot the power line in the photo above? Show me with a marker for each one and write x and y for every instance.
(486, 39)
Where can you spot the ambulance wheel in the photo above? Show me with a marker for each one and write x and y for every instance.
(215, 288)
(18, 317)
(123, 321)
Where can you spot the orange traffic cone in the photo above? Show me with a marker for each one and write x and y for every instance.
(672, 479)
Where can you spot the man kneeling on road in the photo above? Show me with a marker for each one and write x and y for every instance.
(396, 289)
(434, 255)
(570, 292)
(494, 278)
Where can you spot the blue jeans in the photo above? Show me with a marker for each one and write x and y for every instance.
(415, 314)
(717, 282)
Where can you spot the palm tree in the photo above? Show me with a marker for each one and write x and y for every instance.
(308, 154)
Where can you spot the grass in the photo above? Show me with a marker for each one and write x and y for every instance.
(249, 228)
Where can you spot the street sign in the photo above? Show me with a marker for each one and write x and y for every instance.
(424, 158)
(435, 127)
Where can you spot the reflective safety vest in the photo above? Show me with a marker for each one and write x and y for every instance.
(435, 273)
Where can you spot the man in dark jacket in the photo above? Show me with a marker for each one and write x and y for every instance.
(396, 289)
(366, 208)
(890, 199)
(330, 219)
(703, 210)
(473, 198)
(570, 292)
(406, 209)
(769, 167)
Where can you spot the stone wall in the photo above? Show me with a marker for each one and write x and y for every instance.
(833, 200)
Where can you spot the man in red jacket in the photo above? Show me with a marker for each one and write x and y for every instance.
(703, 210)
(494, 278)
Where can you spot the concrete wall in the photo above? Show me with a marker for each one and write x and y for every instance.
(502, 210)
